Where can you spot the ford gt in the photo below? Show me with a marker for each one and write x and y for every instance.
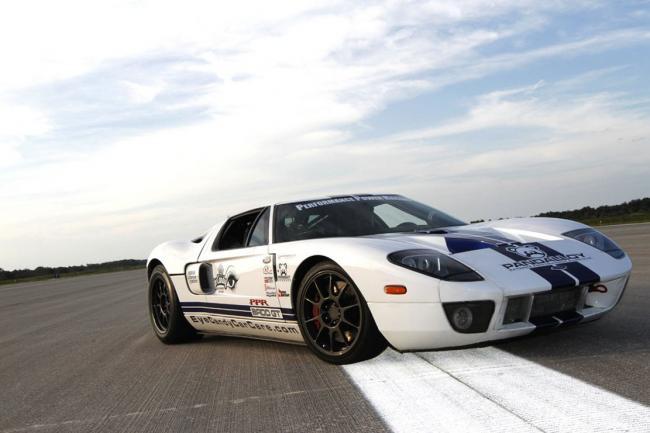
(349, 275)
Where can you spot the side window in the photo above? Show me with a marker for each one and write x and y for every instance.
(260, 234)
(236, 231)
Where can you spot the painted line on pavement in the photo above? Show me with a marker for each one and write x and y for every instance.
(487, 389)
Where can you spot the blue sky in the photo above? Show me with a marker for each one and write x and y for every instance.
(127, 123)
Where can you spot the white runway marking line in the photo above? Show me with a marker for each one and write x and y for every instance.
(488, 390)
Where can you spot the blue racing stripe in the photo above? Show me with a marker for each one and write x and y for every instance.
(215, 305)
(582, 273)
(217, 311)
(461, 245)
(555, 276)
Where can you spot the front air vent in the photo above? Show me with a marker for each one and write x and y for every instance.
(517, 310)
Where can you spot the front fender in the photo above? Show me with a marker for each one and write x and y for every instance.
(365, 261)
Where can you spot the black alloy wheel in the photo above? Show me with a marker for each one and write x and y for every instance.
(160, 305)
(165, 312)
(334, 317)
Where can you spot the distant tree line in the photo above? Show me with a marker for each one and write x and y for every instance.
(637, 210)
(91, 268)
(588, 213)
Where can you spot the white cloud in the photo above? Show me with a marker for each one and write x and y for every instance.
(9, 154)
(140, 93)
(70, 37)
(18, 124)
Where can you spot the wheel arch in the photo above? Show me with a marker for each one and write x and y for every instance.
(301, 271)
(378, 341)
(152, 265)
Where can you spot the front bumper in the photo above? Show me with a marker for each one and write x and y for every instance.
(425, 326)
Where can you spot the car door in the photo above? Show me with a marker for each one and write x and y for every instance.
(241, 276)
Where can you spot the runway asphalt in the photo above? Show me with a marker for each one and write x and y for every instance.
(78, 355)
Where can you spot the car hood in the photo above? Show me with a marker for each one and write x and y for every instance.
(521, 255)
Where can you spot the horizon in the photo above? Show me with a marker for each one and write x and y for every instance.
(115, 141)
(468, 222)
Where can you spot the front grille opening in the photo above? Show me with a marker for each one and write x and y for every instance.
(517, 310)
(557, 301)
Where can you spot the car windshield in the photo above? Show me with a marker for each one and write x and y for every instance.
(356, 216)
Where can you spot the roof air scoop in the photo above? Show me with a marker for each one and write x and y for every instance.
(434, 232)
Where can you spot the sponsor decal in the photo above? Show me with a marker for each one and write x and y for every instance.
(535, 255)
(267, 270)
(267, 313)
(553, 260)
(245, 324)
(266, 260)
(527, 251)
(269, 287)
(226, 278)
(192, 277)
(283, 293)
(259, 302)
(354, 198)
(283, 273)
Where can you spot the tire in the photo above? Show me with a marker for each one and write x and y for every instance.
(165, 313)
(334, 318)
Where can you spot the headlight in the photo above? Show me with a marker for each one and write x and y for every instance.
(434, 264)
(597, 240)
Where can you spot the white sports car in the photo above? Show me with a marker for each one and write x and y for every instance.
(347, 275)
